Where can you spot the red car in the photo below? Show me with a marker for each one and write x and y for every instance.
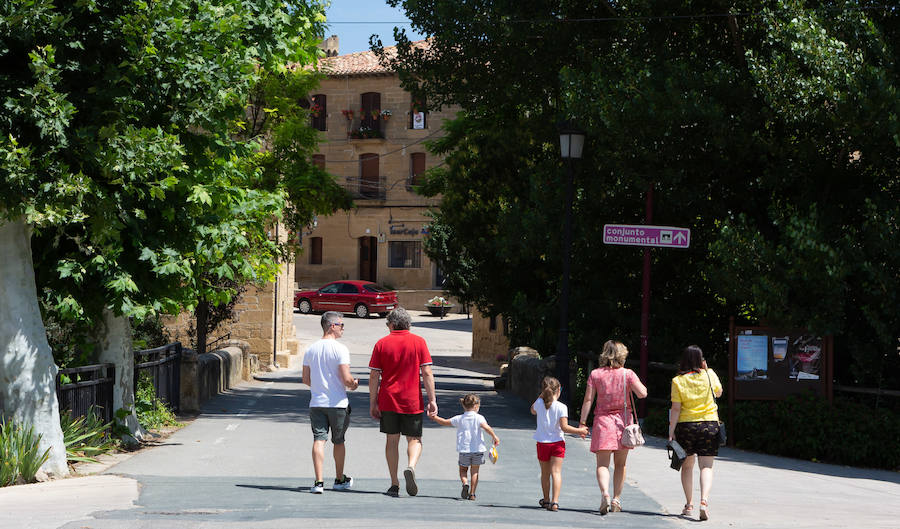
(359, 297)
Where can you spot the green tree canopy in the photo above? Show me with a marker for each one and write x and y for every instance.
(125, 144)
(768, 128)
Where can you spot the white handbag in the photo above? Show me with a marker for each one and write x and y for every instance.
(632, 436)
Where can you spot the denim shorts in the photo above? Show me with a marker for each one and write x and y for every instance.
(335, 419)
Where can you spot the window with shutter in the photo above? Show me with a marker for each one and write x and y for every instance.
(371, 111)
(369, 179)
(416, 169)
(319, 111)
(417, 114)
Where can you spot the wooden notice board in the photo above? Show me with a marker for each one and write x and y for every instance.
(766, 363)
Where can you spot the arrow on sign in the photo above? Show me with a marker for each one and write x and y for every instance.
(643, 235)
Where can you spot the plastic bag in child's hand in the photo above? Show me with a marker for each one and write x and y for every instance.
(494, 454)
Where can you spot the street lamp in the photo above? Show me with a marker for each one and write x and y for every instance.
(571, 142)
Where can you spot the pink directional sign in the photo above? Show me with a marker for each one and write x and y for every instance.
(641, 235)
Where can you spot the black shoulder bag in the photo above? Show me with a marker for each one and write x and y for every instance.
(723, 437)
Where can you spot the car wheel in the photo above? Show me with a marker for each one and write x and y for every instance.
(361, 311)
(305, 306)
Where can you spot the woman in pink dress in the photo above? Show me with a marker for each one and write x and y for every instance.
(612, 413)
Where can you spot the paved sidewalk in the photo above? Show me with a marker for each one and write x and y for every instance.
(245, 462)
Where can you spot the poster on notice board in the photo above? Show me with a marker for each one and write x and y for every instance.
(752, 357)
(805, 354)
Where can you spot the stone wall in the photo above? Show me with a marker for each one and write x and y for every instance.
(526, 371)
(206, 375)
(267, 331)
(488, 344)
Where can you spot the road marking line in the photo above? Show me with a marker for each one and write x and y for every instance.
(231, 427)
(219, 441)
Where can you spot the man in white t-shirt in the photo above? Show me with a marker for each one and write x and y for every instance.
(326, 370)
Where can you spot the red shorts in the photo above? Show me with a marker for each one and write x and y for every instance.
(547, 450)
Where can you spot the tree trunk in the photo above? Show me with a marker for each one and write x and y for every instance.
(27, 370)
(116, 347)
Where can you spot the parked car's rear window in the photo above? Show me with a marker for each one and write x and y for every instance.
(375, 288)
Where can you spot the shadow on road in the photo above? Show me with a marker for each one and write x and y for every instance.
(444, 325)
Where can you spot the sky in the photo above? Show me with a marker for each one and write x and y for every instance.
(353, 21)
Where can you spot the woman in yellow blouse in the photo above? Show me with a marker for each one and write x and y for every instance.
(694, 423)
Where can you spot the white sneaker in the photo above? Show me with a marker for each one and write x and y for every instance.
(344, 484)
(317, 488)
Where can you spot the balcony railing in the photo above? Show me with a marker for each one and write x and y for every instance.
(366, 189)
(364, 133)
(364, 127)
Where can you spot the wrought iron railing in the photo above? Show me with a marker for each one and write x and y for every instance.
(87, 387)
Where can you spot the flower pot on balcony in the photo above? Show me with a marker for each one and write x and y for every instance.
(439, 310)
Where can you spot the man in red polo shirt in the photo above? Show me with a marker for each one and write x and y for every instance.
(395, 395)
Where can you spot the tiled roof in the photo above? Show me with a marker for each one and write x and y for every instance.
(361, 63)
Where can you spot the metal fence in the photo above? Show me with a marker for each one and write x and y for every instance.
(163, 366)
(211, 346)
(90, 386)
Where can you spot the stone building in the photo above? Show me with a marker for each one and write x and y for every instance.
(490, 341)
(373, 136)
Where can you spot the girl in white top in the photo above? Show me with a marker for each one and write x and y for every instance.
(552, 423)
(469, 443)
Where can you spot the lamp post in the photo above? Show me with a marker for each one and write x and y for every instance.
(571, 142)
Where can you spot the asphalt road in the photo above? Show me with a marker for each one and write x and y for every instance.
(245, 462)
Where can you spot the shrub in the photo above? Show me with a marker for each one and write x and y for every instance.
(152, 413)
(86, 437)
(807, 427)
(20, 455)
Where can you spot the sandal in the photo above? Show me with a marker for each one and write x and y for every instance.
(465, 491)
(704, 510)
(553, 507)
(472, 497)
(688, 509)
(604, 504)
(615, 506)
(543, 503)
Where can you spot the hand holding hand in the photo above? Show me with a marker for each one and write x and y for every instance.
(432, 409)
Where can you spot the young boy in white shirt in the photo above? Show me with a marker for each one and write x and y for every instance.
(469, 442)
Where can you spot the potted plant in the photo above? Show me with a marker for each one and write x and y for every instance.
(385, 114)
(347, 114)
(438, 306)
